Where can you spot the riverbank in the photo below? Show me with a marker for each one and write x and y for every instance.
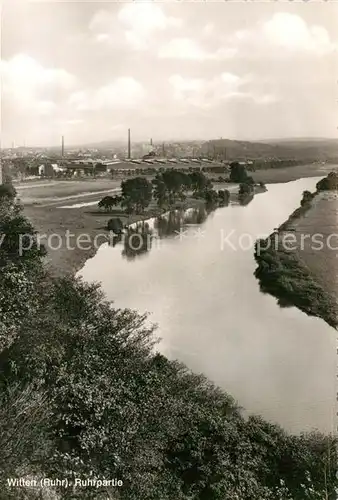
(288, 174)
(43, 204)
(62, 227)
(298, 263)
(86, 225)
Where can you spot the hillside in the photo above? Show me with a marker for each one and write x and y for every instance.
(307, 149)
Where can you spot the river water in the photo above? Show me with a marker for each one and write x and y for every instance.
(196, 279)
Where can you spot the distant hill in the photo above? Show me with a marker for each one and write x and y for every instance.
(294, 148)
(302, 149)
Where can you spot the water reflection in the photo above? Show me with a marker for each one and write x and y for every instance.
(137, 240)
(170, 224)
(245, 200)
(197, 215)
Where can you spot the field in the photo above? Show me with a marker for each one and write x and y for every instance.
(56, 192)
(301, 270)
(274, 175)
(320, 223)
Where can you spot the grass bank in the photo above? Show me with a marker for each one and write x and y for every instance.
(291, 275)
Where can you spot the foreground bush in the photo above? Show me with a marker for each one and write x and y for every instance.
(109, 406)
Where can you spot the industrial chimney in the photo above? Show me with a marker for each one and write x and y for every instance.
(62, 146)
(129, 152)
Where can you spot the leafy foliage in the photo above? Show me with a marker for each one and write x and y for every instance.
(245, 189)
(7, 191)
(224, 197)
(306, 198)
(115, 225)
(136, 194)
(89, 396)
(108, 202)
(160, 191)
(329, 183)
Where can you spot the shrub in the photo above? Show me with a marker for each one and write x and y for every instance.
(115, 225)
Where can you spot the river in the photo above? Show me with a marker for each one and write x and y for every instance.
(201, 291)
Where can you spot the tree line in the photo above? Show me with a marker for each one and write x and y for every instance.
(166, 189)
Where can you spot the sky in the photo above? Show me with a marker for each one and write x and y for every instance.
(167, 70)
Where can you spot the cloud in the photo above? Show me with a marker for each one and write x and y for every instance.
(45, 107)
(290, 31)
(122, 93)
(285, 31)
(146, 17)
(74, 121)
(25, 70)
(182, 48)
(187, 48)
(135, 23)
(30, 87)
(203, 93)
(279, 36)
(208, 29)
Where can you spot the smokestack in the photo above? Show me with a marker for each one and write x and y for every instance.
(62, 146)
(151, 142)
(129, 154)
(1, 176)
(163, 151)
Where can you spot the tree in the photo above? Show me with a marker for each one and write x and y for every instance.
(136, 194)
(199, 182)
(249, 180)
(211, 197)
(328, 183)
(108, 202)
(306, 198)
(7, 191)
(115, 225)
(19, 243)
(176, 183)
(238, 172)
(20, 269)
(160, 191)
(245, 189)
(224, 197)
